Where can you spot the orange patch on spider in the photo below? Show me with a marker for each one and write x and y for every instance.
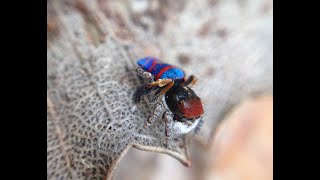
(191, 108)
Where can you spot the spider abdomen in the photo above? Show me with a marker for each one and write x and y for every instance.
(160, 70)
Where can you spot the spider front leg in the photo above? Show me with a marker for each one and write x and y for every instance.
(168, 119)
(154, 115)
(192, 80)
(166, 84)
(145, 74)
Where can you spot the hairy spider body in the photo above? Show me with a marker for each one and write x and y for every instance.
(183, 108)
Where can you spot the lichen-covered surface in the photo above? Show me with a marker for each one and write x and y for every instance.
(92, 49)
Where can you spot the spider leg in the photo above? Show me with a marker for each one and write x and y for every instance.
(192, 80)
(161, 92)
(143, 90)
(161, 82)
(145, 74)
(154, 115)
(168, 119)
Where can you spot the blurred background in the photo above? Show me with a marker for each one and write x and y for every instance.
(200, 36)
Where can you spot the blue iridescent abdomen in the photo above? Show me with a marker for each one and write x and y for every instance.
(160, 70)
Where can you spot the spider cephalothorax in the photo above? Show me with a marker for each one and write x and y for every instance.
(183, 108)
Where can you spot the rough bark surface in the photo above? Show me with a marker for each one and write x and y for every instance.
(92, 48)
